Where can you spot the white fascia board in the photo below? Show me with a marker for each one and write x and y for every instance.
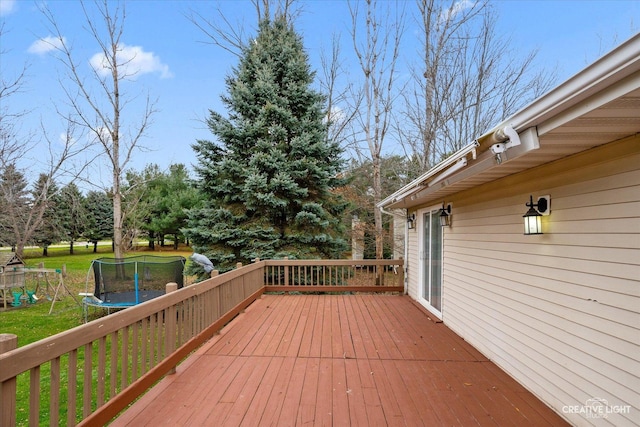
(414, 186)
(613, 92)
(543, 114)
(605, 72)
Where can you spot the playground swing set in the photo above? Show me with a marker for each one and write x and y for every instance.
(19, 283)
(117, 284)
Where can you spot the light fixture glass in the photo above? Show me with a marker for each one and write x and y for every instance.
(445, 219)
(533, 218)
(411, 219)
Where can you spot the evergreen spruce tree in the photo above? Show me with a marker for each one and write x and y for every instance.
(99, 210)
(50, 230)
(268, 182)
(14, 207)
(70, 207)
(170, 195)
(22, 211)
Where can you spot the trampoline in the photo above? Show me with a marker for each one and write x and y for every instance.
(124, 282)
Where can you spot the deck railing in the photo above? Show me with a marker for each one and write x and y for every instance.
(334, 275)
(94, 371)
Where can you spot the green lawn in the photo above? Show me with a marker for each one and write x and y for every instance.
(32, 322)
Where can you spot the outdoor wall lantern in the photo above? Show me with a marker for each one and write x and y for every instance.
(533, 217)
(445, 218)
(411, 221)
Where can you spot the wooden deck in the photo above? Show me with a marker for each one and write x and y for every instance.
(361, 360)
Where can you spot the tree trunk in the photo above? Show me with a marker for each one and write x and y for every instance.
(18, 249)
(377, 54)
(93, 112)
(118, 251)
(377, 214)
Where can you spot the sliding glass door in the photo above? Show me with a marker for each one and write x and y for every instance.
(431, 260)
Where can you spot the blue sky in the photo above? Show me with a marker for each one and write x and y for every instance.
(187, 75)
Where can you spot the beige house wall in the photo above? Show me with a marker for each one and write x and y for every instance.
(560, 312)
(412, 263)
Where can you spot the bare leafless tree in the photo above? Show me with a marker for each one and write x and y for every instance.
(12, 146)
(19, 221)
(268, 9)
(376, 32)
(98, 100)
(340, 104)
(232, 36)
(467, 79)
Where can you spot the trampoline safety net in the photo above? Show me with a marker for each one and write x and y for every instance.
(133, 280)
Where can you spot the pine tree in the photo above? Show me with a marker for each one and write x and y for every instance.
(21, 211)
(171, 194)
(50, 230)
(14, 207)
(72, 213)
(99, 218)
(269, 182)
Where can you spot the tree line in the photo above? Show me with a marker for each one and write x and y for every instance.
(157, 202)
(297, 153)
(158, 205)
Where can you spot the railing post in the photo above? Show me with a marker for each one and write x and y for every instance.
(8, 342)
(286, 273)
(170, 321)
(238, 265)
(214, 273)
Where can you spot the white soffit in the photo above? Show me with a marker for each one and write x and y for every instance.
(610, 77)
(623, 90)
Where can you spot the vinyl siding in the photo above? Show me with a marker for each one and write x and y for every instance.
(413, 263)
(560, 312)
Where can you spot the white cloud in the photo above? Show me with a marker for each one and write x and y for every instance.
(66, 139)
(337, 115)
(448, 14)
(132, 61)
(101, 135)
(7, 6)
(45, 45)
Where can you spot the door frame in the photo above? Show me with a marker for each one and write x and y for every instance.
(422, 260)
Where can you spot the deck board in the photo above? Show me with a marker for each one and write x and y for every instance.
(342, 360)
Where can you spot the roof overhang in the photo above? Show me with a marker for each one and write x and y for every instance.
(601, 104)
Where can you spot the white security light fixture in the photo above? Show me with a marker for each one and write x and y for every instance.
(507, 133)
